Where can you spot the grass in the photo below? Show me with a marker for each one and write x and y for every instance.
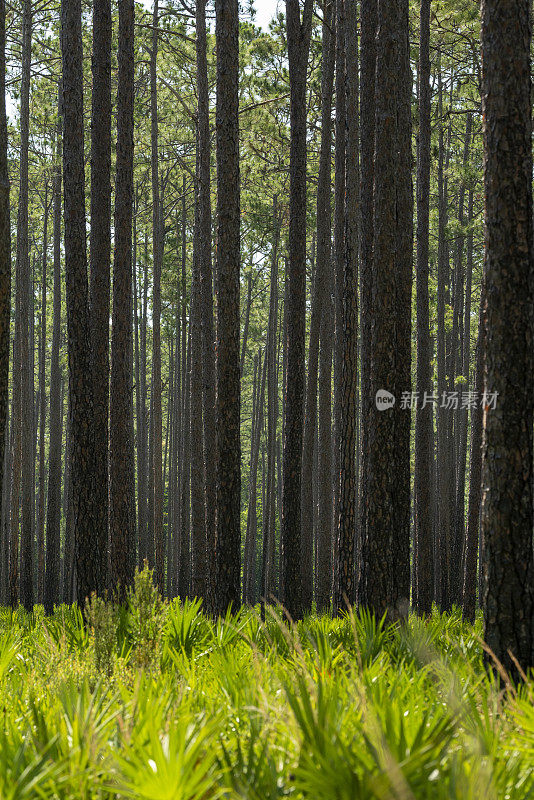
(156, 701)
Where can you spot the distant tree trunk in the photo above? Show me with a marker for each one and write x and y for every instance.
(228, 536)
(472, 536)
(122, 501)
(367, 117)
(199, 545)
(247, 319)
(42, 415)
(24, 289)
(184, 574)
(339, 256)
(389, 453)
(463, 369)
(100, 252)
(298, 42)
(157, 244)
(322, 271)
(206, 291)
(144, 464)
(325, 538)
(91, 560)
(53, 510)
(424, 428)
(269, 522)
(5, 292)
(249, 572)
(346, 522)
(507, 505)
(443, 474)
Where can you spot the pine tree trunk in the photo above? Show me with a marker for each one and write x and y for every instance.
(424, 429)
(206, 291)
(388, 463)
(91, 561)
(367, 117)
(507, 506)
(228, 480)
(322, 270)
(157, 244)
(100, 253)
(24, 288)
(298, 41)
(122, 500)
(42, 415)
(472, 535)
(345, 527)
(5, 296)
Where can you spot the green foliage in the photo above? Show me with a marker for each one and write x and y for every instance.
(157, 701)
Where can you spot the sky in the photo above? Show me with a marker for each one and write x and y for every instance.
(265, 11)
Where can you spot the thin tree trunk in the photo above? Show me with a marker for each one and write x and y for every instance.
(348, 411)
(475, 477)
(322, 271)
(24, 288)
(228, 535)
(42, 416)
(157, 244)
(298, 41)
(122, 499)
(5, 296)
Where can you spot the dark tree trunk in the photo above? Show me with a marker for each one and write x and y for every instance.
(122, 500)
(443, 471)
(198, 516)
(100, 251)
(367, 117)
(42, 415)
(206, 291)
(91, 560)
(298, 41)
(475, 478)
(389, 454)
(339, 258)
(269, 523)
(228, 535)
(325, 537)
(5, 291)
(507, 506)
(24, 290)
(424, 428)
(345, 590)
(322, 271)
(157, 244)
(53, 511)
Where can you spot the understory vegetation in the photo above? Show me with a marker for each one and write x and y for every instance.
(154, 700)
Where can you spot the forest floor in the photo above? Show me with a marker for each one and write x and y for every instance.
(155, 701)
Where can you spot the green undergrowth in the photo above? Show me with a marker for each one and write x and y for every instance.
(154, 700)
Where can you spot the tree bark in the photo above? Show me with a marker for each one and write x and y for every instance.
(322, 271)
(100, 252)
(91, 560)
(5, 290)
(228, 480)
(298, 41)
(507, 505)
(122, 501)
(424, 428)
